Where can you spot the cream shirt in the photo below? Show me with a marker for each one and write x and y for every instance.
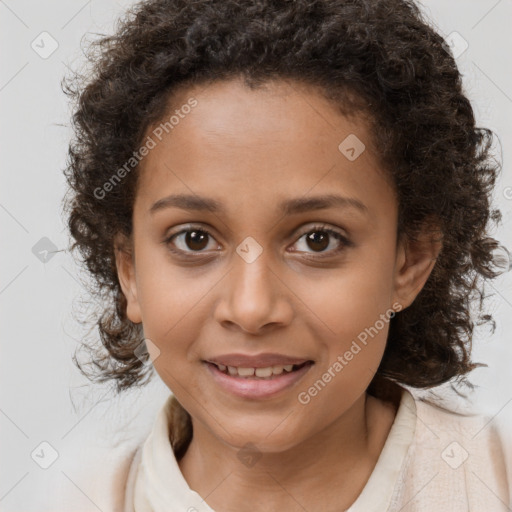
(433, 460)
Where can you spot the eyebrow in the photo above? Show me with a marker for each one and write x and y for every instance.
(287, 207)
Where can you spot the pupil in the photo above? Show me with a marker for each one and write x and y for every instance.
(196, 237)
(317, 238)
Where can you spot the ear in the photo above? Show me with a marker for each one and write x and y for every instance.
(125, 265)
(415, 261)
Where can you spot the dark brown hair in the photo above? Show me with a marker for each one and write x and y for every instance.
(380, 58)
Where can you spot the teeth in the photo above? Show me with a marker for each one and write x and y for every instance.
(258, 372)
(277, 370)
(263, 372)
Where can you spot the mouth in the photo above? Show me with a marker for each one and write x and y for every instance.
(257, 383)
(267, 372)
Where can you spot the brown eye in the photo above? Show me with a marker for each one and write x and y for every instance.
(191, 240)
(195, 240)
(318, 239)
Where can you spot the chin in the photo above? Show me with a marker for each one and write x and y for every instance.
(263, 438)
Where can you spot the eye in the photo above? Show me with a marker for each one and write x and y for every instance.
(194, 241)
(189, 240)
(320, 237)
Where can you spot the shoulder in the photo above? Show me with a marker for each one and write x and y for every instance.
(457, 458)
(123, 478)
(111, 478)
(467, 436)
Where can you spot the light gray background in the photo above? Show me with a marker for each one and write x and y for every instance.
(42, 395)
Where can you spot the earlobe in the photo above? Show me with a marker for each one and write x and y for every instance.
(126, 275)
(414, 264)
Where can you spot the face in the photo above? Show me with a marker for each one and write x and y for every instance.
(257, 260)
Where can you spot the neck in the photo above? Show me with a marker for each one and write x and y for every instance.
(326, 471)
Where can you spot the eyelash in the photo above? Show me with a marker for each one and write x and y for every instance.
(345, 242)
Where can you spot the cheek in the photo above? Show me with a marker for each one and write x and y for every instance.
(166, 292)
(351, 299)
(164, 296)
(353, 330)
(351, 315)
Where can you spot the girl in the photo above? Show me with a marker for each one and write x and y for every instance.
(287, 205)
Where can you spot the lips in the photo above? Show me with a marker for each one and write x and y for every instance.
(259, 383)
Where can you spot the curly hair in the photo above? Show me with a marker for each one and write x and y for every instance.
(379, 58)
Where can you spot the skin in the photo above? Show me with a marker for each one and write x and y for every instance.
(250, 150)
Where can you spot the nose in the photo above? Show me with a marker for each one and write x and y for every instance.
(254, 298)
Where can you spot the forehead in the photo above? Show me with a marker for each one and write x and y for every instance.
(261, 146)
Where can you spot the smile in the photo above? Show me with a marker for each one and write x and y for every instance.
(264, 373)
(257, 383)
